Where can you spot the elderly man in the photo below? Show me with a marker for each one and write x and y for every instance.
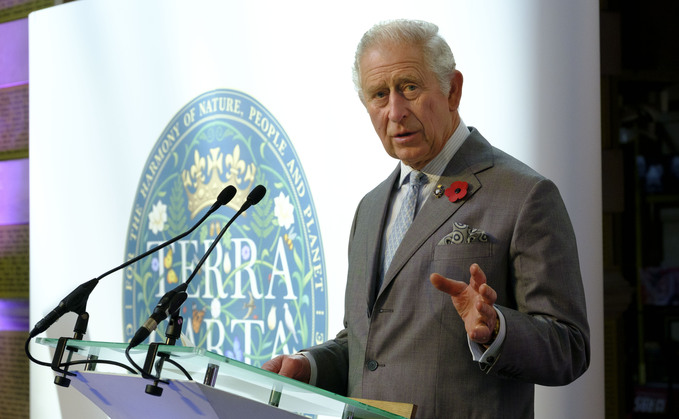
(454, 208)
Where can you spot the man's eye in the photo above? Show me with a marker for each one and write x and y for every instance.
(410, 90)
(380, 97)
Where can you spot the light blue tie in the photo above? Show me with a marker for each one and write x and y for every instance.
(404, 218)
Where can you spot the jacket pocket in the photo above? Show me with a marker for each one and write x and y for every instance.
(474, 250)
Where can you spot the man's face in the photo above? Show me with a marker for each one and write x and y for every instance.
(411, 115)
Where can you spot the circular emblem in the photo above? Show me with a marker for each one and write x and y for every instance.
(262, 291)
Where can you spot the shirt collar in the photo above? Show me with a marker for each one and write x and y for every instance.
(435, 168)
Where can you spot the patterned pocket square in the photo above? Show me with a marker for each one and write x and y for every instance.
(462, 233)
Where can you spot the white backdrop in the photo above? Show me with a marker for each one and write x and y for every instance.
(107, 76)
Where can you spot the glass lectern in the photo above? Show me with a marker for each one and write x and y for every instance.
(220, 387)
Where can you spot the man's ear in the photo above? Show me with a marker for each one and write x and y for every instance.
(455, 93)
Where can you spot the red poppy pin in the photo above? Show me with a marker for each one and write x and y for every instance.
(456, 191)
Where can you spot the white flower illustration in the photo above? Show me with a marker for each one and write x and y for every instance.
(216, 308)
(283, 210)
(158, 217)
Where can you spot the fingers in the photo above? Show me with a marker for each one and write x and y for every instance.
(480, 333)
(478, 277)
(294, 366)
(478, 282)
(486, 312)
(274, 365)
(488, 294)
(482, 330)
(449, 286)
(474, 302)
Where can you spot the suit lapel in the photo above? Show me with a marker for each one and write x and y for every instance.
(474, 156)
(376, 210)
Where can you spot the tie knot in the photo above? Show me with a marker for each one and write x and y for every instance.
(417, 178)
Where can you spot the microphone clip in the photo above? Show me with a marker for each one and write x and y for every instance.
(172, 333)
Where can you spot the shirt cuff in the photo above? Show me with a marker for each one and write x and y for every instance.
(313, 376)
(487, 357)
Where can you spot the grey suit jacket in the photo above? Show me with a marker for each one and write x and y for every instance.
(405, 342)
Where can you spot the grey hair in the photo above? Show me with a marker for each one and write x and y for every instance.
(437, 54)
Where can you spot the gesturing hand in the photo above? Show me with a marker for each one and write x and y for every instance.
(474, 302)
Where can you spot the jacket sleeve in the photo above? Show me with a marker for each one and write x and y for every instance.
(332, 362)
(547, 339)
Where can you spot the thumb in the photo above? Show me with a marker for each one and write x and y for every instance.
(274, 365)
(449, 286)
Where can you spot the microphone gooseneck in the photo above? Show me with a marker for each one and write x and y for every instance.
(76, 301)
(172, 300)
(253, 198)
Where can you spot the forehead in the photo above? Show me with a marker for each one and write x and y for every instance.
(392, 62)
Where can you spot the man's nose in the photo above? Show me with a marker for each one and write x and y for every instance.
(398, 107)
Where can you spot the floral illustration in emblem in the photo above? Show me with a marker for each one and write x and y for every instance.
(167, 262)
(283, 210)
(158, 217)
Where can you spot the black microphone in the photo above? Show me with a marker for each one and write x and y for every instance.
(253, 198)
(76, 301)
(173, 299)
(223, 198)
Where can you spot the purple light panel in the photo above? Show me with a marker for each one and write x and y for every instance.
(13, 52)
(14, 192)
(13, 315)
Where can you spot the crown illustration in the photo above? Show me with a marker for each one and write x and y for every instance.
(209, 174)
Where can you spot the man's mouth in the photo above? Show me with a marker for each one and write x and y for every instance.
(403, 135)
